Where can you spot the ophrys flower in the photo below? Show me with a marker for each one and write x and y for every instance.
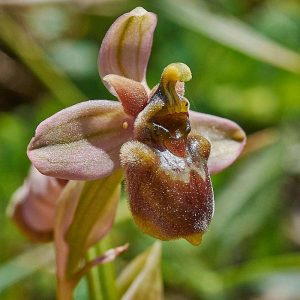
(168, 152)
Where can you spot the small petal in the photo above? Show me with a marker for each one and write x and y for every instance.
(131, 94)
(33, 205)
(126, 47)
(82, 141)
(226, 137)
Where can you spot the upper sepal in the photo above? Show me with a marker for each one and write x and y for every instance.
(126, 47)
(227, 139)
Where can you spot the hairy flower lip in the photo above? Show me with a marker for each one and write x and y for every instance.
(176, 146)
(166, 202)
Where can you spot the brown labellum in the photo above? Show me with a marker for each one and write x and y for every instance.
(169, 187)
(170, 197)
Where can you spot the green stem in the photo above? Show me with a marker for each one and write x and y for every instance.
(101, 279)
(107, 272)
(65, 289)
(92, 277)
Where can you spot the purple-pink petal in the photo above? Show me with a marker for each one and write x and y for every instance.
(126, 47)
(226, 137)
(81, 142)
(131, 93)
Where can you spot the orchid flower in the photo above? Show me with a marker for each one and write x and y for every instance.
(166, 151)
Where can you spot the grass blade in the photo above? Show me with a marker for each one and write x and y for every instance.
(25, 264)
(231, 33)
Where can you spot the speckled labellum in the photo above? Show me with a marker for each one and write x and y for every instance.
(169, 187)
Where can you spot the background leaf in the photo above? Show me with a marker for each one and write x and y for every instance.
(25, 264)
(232, 32)
(141, 279)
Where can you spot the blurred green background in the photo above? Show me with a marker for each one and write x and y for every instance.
(245, 59)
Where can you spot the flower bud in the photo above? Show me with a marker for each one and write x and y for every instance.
(32, 206)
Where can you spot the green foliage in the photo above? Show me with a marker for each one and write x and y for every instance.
(246, 69)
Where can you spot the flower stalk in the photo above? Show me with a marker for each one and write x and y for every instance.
(107, 272)
(92, 277)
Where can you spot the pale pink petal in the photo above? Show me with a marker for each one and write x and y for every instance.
(131, 94)
(126, 47)
(226, 137)
(33, 205)
(81, 142)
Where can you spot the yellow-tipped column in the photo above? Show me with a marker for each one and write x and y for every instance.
(170, 76)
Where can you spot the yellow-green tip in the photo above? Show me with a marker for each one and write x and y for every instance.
(194, 239)
(176, 72)
(171, 75)
(138, 11)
